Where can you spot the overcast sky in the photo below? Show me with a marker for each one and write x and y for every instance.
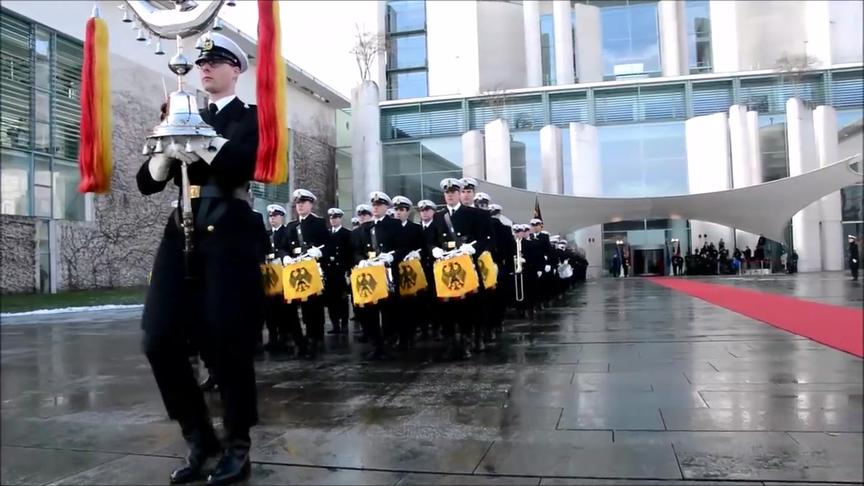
(316, 36)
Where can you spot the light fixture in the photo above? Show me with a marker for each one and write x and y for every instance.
(159, 51)
(217, 25)
(141, 37)
(127, 19)
(231, 3)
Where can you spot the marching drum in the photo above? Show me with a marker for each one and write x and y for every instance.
(302, 279)
(455, 277)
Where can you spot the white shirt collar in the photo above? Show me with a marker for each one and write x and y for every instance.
(337, 228)
(454, 208)
(301, 218)
(275, 228)
(378, 220)
(222, 102)
(426, 223)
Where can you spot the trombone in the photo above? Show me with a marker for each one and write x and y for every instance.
(518, 281)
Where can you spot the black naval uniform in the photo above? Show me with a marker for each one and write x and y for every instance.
(337, 265)
(410, 238)
(221, 307)
(853, 259)
(505, 253)
(281, 317)
(302, 235)
(378, 237)
(430, 317)
(469, 224)
(535, 261)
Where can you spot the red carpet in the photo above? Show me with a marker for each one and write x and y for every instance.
(839, 327)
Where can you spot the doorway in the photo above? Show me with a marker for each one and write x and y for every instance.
(648, 261)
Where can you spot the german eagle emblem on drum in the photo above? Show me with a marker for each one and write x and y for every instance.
(454, 276)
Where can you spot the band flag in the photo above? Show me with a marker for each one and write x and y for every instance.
(271, 164)
(95, 149)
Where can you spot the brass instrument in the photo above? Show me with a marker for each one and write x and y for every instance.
(519, 283)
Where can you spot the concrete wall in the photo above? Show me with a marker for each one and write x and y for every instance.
(846, 33)
(452, 47)
(501, 45)
(708, 169)
(18, 266)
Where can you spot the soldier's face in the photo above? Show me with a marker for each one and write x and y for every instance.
(467, 197)
(335, 221)
(536, 228)
(364, 217)
(379, 210)
(218, 77)
(426, 214)
(402, 214)
(276, 220)
(304, 208)
(451, 197)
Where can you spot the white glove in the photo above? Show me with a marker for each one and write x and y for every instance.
(413, 255)
(539, 273)
(467, 249)
(314, 252)
(854, 261)
(287, 260)
(547, 269)
(176, 151)
(386, 258)
(363, 264)
(437, 253)
(209, 149)
(159, 167)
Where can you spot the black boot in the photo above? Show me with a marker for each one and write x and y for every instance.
(203, 445)
(234, 466)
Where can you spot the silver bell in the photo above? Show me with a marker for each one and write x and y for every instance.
(159, 50)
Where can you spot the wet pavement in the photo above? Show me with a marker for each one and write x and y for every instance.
(624, 382)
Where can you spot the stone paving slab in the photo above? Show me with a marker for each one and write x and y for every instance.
(625, 382)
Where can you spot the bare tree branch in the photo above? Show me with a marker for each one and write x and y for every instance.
(366, 49)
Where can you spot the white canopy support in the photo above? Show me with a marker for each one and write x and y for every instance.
(763, 209)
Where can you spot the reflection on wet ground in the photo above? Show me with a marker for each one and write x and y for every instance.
(623, 382)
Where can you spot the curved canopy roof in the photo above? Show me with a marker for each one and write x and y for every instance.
(760, 209)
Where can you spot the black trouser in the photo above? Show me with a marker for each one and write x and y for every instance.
(336, 300)
(279, 319)
(408, 318)
(459, 312)
(372, 318)
(231, 361)
(313, 317)
(854, 268)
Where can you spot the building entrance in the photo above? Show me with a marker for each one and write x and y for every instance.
(649, 261)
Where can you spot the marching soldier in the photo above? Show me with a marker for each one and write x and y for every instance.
(307, 235)
(505, 246)
(545, 248)
(281, 317)
(464, 228)
(534, 254)
(485, 298)
(410, 242)
(218, 299)
(378, 240)
(430, 316)
(853, 257)
(363, 214)
(340, 258)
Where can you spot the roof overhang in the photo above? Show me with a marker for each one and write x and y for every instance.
(760, 209)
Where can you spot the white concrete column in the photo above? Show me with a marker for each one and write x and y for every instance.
(755, 147)
(586, 173)
(742, 173)
(587, 181)
(724, 36)
(589, 43)
(533, 59)
(673, 37)
(498, 152)
(801, 144)
(562, 20)
(708, 170)
(365, 141)
(825, 131)
(551, 160)
(473, 155)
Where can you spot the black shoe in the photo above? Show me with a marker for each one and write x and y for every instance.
(209, 384)
(233, 467)
(363, 339)
(202, 448)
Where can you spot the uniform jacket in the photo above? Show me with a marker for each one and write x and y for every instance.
(277, 240)
(340, 254)
(469, 225)
(303, 235)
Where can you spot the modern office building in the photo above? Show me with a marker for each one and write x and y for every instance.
(56, 238)
(620, 98)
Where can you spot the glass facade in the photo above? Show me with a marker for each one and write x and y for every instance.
(406, 49)
(631, 38)
(698, 36)
(547, 49)
(414, 169)
(39, 121)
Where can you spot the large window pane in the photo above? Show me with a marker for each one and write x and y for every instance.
(403, 158)
(442, 154)
(547, 49)
(42, 187)
(406, 15)
(525, 160)
(407, 85)
(643, 160)
(630, 38)
(853, 206)
(16, 79)
(15, 183)
(404, 185)
(407, 52)
(772, 143)
(699, 36)
(43, 59)
(68, 202)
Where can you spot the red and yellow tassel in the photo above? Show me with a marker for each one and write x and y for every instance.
(95, 149)
(271, 165)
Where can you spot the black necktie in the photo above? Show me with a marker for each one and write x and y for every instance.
(213, 109)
